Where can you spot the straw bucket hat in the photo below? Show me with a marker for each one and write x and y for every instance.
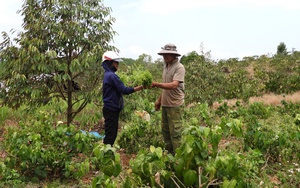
(169, 49)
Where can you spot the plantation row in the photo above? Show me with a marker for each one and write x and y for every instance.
(50, 98)
(240, 146)
(245, 145)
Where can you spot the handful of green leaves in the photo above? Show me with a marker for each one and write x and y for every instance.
(137, 78)
(142, 78)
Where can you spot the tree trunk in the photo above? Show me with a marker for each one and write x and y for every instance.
(70, 105)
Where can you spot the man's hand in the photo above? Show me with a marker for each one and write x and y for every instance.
(154, 84)
(157, 105)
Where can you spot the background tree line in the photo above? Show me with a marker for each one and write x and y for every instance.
(59, 56)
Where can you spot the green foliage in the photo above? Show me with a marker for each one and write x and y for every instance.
(191, 57)
(203, 82)
(238, 149)
(4, 114)
(283, 76)
(234, 126)
(140, 134)
(9, 176)
(196, 158)
(102, 181)
(107, 160)
(208, 81)
(233, 146)
(281, 49)
(58, 51)
(142, 100)
(239, 86)
(289, 108)
(137, 78)
(143, 78)
(201, 112)
(271, 138)
(259, 110)
(148, 163)
(40, 149)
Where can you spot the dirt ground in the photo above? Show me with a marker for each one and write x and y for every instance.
(270, 99)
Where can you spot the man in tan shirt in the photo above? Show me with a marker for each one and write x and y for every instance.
(171, 98)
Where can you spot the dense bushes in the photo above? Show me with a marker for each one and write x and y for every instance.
(210, 81)
(40, 149)
(232, 146)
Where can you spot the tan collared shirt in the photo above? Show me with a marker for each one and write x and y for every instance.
(173, 97)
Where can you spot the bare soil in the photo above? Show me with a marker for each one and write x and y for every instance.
(269, 99)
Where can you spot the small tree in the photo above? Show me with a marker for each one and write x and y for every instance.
(192, 56)
(58, 53)
(281, 49)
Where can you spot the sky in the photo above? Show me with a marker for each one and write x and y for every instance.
(224, 28)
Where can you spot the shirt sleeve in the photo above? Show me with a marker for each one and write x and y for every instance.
(179, 74)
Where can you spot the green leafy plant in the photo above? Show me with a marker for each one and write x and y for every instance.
(139, 134)
(107, 160)
(61, 61)
(137, 78)
(40, 149)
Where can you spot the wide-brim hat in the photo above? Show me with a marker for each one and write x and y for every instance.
(169, 49)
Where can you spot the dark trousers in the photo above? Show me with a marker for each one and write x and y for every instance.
(111, 121)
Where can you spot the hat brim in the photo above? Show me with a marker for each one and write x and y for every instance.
(118, 60)
(168, 52)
